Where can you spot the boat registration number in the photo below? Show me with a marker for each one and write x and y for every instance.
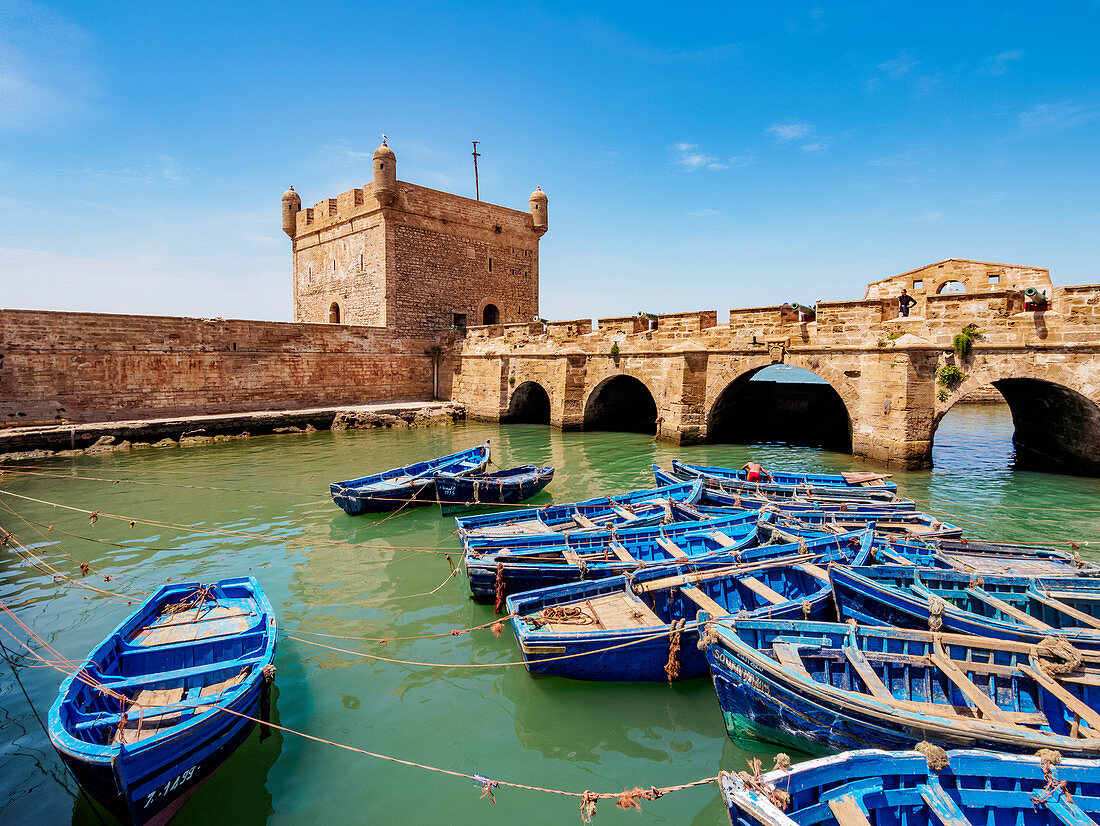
(746, 676)
(170, 786)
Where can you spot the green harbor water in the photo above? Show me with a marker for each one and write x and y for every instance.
(260, 506)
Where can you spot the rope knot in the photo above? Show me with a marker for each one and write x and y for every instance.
(588, 806)
(269, 673)
(1050, 647)
(708, 637)
(936, 608)
(936, 757)
(487, 787)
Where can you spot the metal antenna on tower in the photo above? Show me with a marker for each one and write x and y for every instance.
(477, 192)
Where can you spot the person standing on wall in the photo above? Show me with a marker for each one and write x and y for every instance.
(905, 301)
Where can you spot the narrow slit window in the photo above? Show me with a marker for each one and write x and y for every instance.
(490, 265)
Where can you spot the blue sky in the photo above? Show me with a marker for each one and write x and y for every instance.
(696, 156)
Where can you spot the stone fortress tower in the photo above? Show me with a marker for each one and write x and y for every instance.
(411, 259)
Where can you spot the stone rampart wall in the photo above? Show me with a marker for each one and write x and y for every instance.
(83, 367)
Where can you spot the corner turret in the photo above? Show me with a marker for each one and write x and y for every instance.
(292, 205)
(385, 174)
(539, 215)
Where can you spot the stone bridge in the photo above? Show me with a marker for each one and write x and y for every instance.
(685, 376)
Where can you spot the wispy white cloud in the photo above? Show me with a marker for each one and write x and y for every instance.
(999, 64)
(903, 64)
(1055, 117)
(791, 131)
(158, 170)
(704, 213)
(690, 157)
(816, 146)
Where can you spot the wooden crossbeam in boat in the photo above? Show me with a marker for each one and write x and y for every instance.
(1008, 610)
(1067, 698)
(622, 553)
(623, 513)
(722, 539)
(583, 520)
(788, 655)
(814, 571)
(847, 812)
(703, 601)
(572, 558)
(762, 590)
(673, 549)
(863, 668)
(1068, 610)
(1061, 595)
(974, 695)
(714, 573)
(940, 803)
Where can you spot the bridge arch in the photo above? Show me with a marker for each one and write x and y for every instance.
(530, 403)
(1056, 421)
(797, 412)
(621, 402)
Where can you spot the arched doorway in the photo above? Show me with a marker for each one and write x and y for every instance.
(621, 403)
(951, 288)
(490, 315)
(530, 403)
(334, 313)
(1046, 427)
(781, 404)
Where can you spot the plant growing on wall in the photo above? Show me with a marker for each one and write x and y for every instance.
(964, 341)
(950, 376)
(511, 379)
(942, 394)
(615, 353)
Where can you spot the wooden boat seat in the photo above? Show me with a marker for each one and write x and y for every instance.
(622, 553)
(762, 590)
(674, 550)
(974, 695)
(612, 612)
(139, 726)
(623, 513)
(572, 558)
(1087, 620)
(813, 570)
(723, 540)
(847, 812)
(214, 689)
(1008, 610)
(940, 803)
(703, 601)
(787, 654)
(584, 521)
(992, 564)
(206, 622)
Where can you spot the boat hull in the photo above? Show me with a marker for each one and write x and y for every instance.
(456, 493)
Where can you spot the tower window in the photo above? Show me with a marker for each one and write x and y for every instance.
(334, 265)
(460, 321)
(490, 265)
(360, 262)
(334, 313)
(490, 315)
(918, 284)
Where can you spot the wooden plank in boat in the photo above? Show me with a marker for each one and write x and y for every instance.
(814, 571)
(1068, 699)
(620, 552)
(847, 812)
(722, 539)
(703, 601)
(571, 557)
(139, 727)
(992, 564)
(623, 513)
(1008, 610)
(584, 521)
(673, 549)
(941, 805)
(619, 611)
(214, 689)
(762, 590)
(974, 695)
(1083, 618)
(787, 654)
(870, 679)
(190, 626)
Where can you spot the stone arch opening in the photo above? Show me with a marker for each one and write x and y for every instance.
(530, 403)
(334, 313)
(781, 404)
(950, 288)
(490, 315)
(621, 403)
(1055, 428)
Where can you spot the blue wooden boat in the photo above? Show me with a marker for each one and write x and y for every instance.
(732, 484)
(635, 509)
(827, 686)
(137, 723)
(981, 557)
(713, 497)
(503, 487)
(619, 628)
(496, 570)
(402, 486)
(863, 481)
(786, 523)
(899, 788)
(1017, 608)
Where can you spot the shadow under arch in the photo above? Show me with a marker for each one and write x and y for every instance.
(621, 403)
(530, 404)
(795, 412)
(1055, 428)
